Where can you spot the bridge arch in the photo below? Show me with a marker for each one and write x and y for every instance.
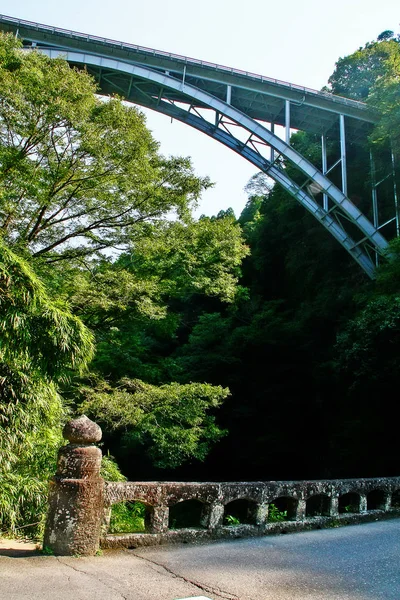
(228, 105)
(258, 135)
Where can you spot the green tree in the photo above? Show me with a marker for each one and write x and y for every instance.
(202, 257)
(137, 306)
(78, 174)
(171, 420)
(384, 98)
(83, 189)
(42, 343)
(141, 304)
(372, 74)
(355, 75)
(313, 351)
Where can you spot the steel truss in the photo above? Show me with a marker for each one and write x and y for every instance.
(259, 145)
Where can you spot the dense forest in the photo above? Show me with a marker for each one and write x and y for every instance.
(223, 348)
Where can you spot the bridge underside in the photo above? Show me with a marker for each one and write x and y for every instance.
(241, 111)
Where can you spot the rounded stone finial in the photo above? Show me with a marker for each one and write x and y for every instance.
(82, 431)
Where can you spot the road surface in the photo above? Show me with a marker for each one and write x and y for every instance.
(360, 562)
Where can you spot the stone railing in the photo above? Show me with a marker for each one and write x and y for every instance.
(81, 503)
(231, 510)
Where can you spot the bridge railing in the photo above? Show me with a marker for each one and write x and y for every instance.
(178, 57)
(80, 503)
(178, 511)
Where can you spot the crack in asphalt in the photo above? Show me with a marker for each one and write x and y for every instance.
(202, 586)
(90, 575)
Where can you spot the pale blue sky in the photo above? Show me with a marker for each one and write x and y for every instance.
(295, 41)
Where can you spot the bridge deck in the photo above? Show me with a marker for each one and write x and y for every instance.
(260, 97)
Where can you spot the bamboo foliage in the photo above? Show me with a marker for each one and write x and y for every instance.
(40, 345)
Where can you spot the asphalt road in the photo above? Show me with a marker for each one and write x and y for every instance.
(348, 563)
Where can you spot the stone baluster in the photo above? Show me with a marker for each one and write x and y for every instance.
(363, 503)
(76, 496)
(301, 509)
(261, 514)
(158, 519)
(106, 520)
(213, 515)
(334, 506)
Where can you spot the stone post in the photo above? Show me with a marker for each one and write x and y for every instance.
(301, 509)
(388, 502)
(363, 503)
(76, 496)
(334, 507)
(213, 515)
(261, 514)
(158, 519)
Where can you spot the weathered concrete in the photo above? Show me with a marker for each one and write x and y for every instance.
(194, 536)
(373, 501)
(76, 496)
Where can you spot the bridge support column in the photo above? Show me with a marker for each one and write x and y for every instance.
(76, 497)
(287, 121)
(228, 94)
(396, 203)
(325, 199)
(343, 154)
(363, 503)
(301, 509)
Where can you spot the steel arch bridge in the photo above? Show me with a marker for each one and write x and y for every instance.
(241, 110)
